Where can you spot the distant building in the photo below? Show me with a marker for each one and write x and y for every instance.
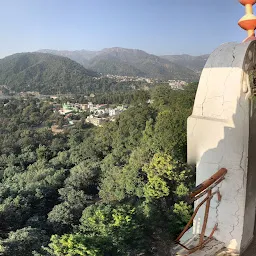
(114, 111)
(29, 93)
(148, 80)
(97, 121)
(177, 84)
(84, 106)
(90, 106)
(68, 108)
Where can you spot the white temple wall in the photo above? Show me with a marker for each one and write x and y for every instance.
(218, 136)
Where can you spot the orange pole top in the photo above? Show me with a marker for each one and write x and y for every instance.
(248, 21)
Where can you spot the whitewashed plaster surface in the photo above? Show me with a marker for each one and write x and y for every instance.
(218, 135)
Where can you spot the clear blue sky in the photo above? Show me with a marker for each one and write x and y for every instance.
(156, 26)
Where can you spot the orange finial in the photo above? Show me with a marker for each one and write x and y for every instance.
(248, 21)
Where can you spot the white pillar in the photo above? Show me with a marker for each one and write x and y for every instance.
(218, 136)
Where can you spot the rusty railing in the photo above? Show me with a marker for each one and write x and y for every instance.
(204, 188)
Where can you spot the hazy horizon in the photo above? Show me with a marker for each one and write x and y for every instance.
(101, 50)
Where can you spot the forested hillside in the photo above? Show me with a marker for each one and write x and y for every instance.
(45, 73)
(112, 65)
(114, 190)
(195, 63)
(51, 74)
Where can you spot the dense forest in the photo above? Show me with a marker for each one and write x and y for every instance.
(119, 189)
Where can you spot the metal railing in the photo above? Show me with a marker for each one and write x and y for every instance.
(204, 188)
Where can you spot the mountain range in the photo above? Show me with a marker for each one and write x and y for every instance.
(133, 62)
(51, 71)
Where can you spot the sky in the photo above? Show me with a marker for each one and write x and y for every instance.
(156, 26)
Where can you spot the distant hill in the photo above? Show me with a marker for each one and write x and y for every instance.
(131, 62)
(195, 63)
(82, 56)
(106, 64)
(45, 73)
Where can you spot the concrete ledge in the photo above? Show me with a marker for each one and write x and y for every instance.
(210, 249)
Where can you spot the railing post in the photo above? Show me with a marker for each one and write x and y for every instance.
(204, 188)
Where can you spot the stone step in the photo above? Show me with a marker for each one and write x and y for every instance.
(211, 249)
(227, 252)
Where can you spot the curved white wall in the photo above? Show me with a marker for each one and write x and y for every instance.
(218, 136)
